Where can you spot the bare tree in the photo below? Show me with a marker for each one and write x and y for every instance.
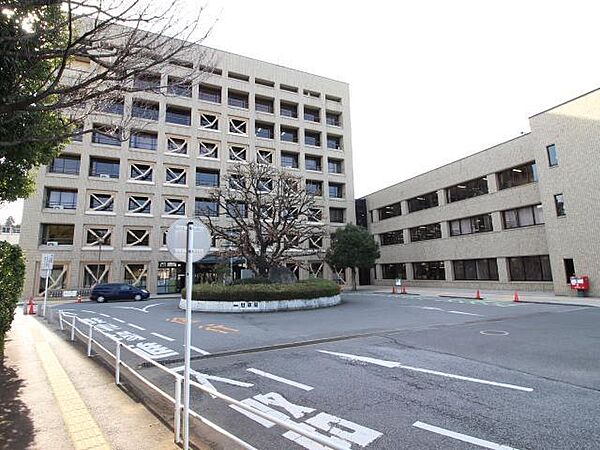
(266, 215)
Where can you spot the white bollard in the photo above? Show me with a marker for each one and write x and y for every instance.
(118, 364)
(177, 415)
(73, 329)
(89, 347)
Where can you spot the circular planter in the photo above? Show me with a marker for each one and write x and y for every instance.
(242, 306)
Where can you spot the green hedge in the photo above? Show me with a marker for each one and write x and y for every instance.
(306, 289)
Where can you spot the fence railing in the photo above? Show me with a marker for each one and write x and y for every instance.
(67, 321)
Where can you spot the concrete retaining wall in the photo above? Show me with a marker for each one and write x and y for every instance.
(262, 306)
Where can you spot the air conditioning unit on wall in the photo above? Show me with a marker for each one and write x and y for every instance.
(52, 244)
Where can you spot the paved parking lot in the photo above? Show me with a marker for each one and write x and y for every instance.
(385, 372)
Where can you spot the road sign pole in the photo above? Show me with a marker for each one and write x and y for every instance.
(45, 294)
(189, 282)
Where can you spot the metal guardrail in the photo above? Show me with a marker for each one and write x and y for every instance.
(177, 402)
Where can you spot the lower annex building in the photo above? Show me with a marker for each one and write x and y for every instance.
(524, 214)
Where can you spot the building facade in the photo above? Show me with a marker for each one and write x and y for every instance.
(520, 215)
(103, 207)
(10, 234)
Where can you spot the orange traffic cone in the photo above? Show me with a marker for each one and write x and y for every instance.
(478, 295)
(31, 306)
(403, 290)
(516, 297)
(394, 290)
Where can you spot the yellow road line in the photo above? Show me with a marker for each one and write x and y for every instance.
(82, 427)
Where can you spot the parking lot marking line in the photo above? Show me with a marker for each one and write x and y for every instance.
(104, 315)
(118, 320)
(431, 308)
(304, 387)
(394, 364)
(464, 313)
(136, 327)
(162, 336)
(199, 350)
(462, 437)
(88, 311)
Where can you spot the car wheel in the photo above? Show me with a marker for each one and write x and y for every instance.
(137, 297)
(100, 299)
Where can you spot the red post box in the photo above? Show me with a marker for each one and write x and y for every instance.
(581, 284)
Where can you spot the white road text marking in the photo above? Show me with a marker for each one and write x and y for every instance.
(462, 437)
(280, 379)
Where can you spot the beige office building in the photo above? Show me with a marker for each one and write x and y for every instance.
(524, 214)
(103, 206)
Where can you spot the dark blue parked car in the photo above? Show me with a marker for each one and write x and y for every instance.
(117, 291)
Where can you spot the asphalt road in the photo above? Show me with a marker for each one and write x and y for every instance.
(385, 372)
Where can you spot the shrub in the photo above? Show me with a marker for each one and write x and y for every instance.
(12, 275)
(255, 280)
(306, 289)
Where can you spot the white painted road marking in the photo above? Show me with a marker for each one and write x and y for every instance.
(104, 315)
(88, 311)
(162, 336)
(144, 309)
(136, 327)
(462, 437)
(118, 320)
(394, 364)
(431, 308)
(199, 350)
(280, 379)
(464, 313)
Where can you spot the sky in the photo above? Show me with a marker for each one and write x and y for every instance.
(430, 81)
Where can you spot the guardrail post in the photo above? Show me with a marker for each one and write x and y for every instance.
(118, 364)
(177, 415)
(89, 347)
(73, 329)
(60, 321)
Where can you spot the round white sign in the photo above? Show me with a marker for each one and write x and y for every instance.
(177, 239)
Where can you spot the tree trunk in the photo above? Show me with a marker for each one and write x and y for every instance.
(354, 279)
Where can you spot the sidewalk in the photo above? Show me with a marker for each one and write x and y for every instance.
(54, 397)
(491, 295)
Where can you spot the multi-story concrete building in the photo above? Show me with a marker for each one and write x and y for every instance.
(104, 205)
(520, 215)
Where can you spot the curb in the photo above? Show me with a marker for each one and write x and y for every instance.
(533, 302)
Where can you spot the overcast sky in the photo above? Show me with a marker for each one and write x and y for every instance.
(430, 81)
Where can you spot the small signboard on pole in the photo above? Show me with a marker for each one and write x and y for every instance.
(45, 272)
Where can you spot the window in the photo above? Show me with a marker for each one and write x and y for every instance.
(288, 109)
(144, 110)
(426, 232)
(238, 126)
(289, 160)
(429, 270)
(208, 150)
(424, 201)
(207, 178)
(312, 114)
(530, 268)
(335, 165)
(559, 203)
(314, 187)
(262, 82)
(61, 198)
(334, 142)
(65, 164)
(289, 134)
(264, 104)
(315, 242)
(143, 140)
(389, 211)
(469, 225)
(265, 130)
(174, 207)
(313, 163)
(114, 107)
(468, 189)
(98, 236)
(104, 168)
(147, 82)
(334, 99)
(336, 190)
(102, 202)
(179, 116)
(517, 176)
(393, 271)
(476, 269)
(175, 176)
(285, 87)
(237, 153)
(106, 135)
(236, 182)
(57, 234)
(136, 274)
(264, 156)
(237, 99)
(209, 93)
(334, 119)
(176, 146)
(206, 207)
(139, 204)
(337, 215)
(238, 76)
(316, 269)
(392, 237)
(137, 238)
(178, 86)
(264, 185)
(94, 274)
(237, 210)
(569, 269)
(140, 172)
(209, 121)
(314, 215)
(309, 93)
(523, 217)
(312, 138)
(552, 155)
(77, 132)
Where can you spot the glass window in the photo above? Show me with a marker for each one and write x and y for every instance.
(336, 190)
(476, 269)
(98, 237)
(136, 275)
(106, 136)
(143, 140)
(288, 109)
(209, 121)
(389, 211)
(94, 274)
(392, 237)
(61, 198)
(468, 189)
(265, 130)
(65, 164)
(237, 210)
(57, 234)
(237, 153)
(144, 110)
(238, 126)
(530, 268)
(289, 160)
(312, 138)
(179, 116)
(337, 215)
(139, 205)
(102, 202)
(334, 142)
(429, 270)
(559, 202)
(517, 176)
(178, 86)
(333, 119)
(313, 163)
(312, 114)
(175, 175)
(237, 99)
(104, 168)
(140, 172)
(335, 165)
(552, 155)
(177, 146)
(174, 207)
(424, 201)
(314, 187)
(264, 104)
(523, 217)
(208, 150)
(207, 178)
(137, 238)
(426, 232)
(393, 271)
(264, 156)
(114, 107)
(209, 93)
(289, 134)
(206, 207)
(146, 82)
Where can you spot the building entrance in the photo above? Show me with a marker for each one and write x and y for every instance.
(171, 277)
